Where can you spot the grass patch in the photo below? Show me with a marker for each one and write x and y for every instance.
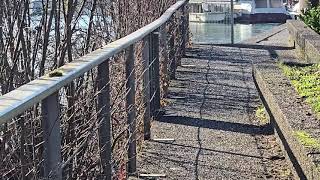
(307, 140)
(306, 80)
(261, 114)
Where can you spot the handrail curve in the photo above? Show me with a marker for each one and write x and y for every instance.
(24, 97)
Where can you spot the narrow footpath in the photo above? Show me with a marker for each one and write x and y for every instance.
(209, 130)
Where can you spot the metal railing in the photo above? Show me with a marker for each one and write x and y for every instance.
(45, 90)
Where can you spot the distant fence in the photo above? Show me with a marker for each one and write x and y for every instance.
(35, 139)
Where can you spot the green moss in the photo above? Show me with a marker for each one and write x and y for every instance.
(307, 140)
(56, 73)
(306, 80)
(262, 115)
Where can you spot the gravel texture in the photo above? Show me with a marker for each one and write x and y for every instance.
(210, 116)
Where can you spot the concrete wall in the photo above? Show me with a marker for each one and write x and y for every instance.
(305, 40)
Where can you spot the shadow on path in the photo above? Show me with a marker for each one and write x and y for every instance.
(218, 125)
(208, 115)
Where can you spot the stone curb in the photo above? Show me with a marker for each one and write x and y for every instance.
(288, 114)
(305, 40)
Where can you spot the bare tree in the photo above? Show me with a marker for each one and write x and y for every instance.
(37, 36)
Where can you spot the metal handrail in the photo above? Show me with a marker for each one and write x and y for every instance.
(24, 97)
(45, 90)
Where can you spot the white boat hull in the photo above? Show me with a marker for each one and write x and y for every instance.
(207, 17)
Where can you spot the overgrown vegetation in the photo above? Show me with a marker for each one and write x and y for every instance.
(307, 140)
(312, 18)
(306, 80)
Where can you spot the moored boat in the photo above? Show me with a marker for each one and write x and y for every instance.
(209, 11)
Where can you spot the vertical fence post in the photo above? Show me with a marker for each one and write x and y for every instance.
(156, 71)
(184, 30)
(151, 75)
(146, 87)
(172, 56)
(22, 149)
(52, 138)
(232, 22)
(164, 60)
(103, 107)
(130, 106)
(187, 21)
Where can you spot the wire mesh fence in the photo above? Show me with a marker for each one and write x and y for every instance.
(101, 118)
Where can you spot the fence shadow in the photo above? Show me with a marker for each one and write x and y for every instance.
(218, 125)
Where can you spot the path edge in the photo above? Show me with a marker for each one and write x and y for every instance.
(285, 124)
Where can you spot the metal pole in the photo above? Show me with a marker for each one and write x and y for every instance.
(187, 22)
(184, 30)
(172, 57)
(155, 41)
(146, 87)
(130, 106)
(164, 59)
(52, 138)
(103, 106)
(151, 74)
(232, 23)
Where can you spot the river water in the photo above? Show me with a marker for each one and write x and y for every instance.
(219, 33)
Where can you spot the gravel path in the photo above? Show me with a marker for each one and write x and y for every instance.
(211, 117)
